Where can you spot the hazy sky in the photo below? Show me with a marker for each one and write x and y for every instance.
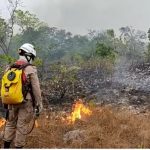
(78, 16)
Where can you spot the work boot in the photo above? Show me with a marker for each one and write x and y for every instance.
(7, 144)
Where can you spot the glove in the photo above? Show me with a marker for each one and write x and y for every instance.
(38, 110)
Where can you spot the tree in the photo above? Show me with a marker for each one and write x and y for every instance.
(133, 41)
(7, 27)
(25, 20)
(147, 53)
(110, 32)
(102, 39)
(3, 32)
(104, 51)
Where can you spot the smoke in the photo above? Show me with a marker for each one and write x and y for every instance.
(135, 78)
(78, 16)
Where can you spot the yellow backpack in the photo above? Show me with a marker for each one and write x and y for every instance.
(13, 85)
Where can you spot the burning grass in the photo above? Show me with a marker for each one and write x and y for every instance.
(106, 127)
(2, 122)
(78, 111)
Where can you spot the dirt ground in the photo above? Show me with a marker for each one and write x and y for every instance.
(107, 127)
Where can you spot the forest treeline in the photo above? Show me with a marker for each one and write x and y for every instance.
(54, 44)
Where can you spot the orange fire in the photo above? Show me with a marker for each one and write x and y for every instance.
(78, 109)
(36, 124)
(2, 122)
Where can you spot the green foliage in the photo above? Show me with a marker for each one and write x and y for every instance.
(105, 65)
(26, 20)
(38, 62)
(147, 53)
(77, 58)
(6, 59)
(63, 79)
(132, 40)
(53, 44)
(4, 36)
(67, 74)
(104, 51)
(149, 34)
(3, 28)
(111, 33)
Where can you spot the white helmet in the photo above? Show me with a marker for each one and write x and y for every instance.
(29, 49)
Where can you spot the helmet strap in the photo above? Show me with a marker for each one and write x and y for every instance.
(28, 58)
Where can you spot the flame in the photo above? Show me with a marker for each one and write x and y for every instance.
(2, 122)
(36, 124)
(77, 110)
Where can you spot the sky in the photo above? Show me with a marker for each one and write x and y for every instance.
(79, 16)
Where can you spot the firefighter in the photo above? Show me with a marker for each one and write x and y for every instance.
(20, 115)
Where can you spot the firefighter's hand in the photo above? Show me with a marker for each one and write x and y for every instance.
(38, 110)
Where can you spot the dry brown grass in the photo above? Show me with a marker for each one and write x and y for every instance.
(106, 128)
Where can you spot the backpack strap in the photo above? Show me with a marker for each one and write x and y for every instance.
(28, 87)
(20, 66)
(25, 65)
